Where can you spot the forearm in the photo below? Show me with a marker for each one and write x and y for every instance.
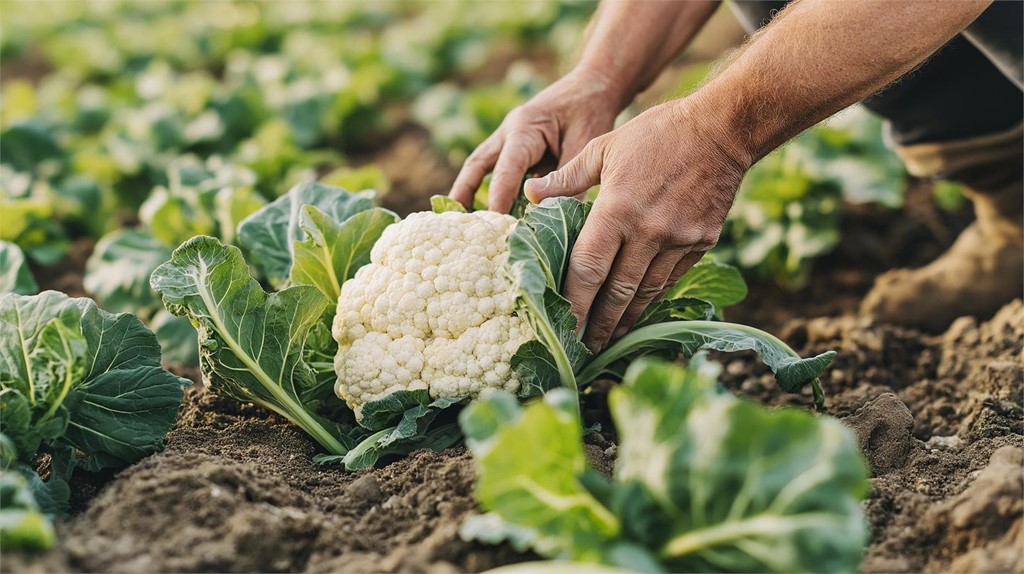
(631, 41)
(818, 57)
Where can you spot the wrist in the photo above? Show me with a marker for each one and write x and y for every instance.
(615, 88)
(713, 128)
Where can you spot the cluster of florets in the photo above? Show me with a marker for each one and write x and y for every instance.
(434, 309)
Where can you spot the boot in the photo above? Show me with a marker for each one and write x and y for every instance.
(984, 269)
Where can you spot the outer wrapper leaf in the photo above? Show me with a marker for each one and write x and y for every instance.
(546, 235)
(268, 236)
(402, 422)
(718, 284)
(251, 342)
(680, 309)
(539, 249)
(441, 204)
(335, 249)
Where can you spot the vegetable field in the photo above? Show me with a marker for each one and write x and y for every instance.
(242, 330)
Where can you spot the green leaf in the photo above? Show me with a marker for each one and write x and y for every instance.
(739, 488)
(178, 338)
(443, 203)
(704, 482)
(541, 365)
(403, 421)
(688, 337)
(539, 249)
(23, 525)
(117, 273)
(717, 283)
(335, 250)
(17, 425)
(173, 217)
(545, 237)
(232, 204)
(268, 236)
(15, 275)
(114, 415)
(27, 145)
(251, 343)
(528, 462)
(682, 308)
(91, 380)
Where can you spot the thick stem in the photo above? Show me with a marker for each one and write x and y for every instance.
(289, 408)
(554, 346)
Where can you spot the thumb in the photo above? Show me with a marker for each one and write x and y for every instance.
(574, 178)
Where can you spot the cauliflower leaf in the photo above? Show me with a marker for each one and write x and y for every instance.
(269, 235)
(704, 481)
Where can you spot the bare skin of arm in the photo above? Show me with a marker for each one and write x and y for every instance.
(669, 176)
(628, 45)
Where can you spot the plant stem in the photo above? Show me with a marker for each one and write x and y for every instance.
(554, 346)
(289, 408)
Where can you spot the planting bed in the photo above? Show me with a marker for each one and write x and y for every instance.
(939, 418)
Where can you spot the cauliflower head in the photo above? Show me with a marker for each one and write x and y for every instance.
(434, 310)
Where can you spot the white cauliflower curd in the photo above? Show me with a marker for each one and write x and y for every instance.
(432, 310)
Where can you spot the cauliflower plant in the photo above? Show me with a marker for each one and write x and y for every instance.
(434, 310)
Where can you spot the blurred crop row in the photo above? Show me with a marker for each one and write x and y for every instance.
(141, 124)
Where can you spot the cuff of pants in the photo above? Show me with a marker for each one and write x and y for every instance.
(980, 162)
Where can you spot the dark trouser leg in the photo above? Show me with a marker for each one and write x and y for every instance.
(957, 116)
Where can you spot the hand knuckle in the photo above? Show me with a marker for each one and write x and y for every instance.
(619, 293)
(476, 159)
(647, 292)
(587, 269)
(515, 115)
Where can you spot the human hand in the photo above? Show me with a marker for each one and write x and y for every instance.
(668, 179)
(558, 121)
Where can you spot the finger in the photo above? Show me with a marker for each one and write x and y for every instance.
(650, 288)
(477, 165)
(574, 178)
(575, 140)
(521, 151)
(682, 267)
(589, 263)
(619, 289)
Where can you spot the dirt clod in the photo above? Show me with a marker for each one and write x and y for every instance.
(884, 430)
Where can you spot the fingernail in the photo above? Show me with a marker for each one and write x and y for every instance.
(619, 333)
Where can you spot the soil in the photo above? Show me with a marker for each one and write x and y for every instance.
(938, 417)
